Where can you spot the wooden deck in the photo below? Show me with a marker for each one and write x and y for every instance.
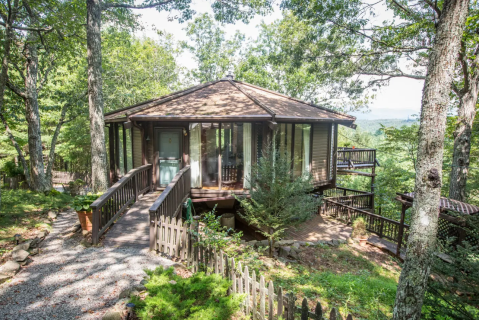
(133, 228)
(319, 228)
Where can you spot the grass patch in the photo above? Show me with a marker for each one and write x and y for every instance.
(23, 210)
(356, 282)
(199, 297)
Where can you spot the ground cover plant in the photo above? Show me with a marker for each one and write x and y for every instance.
(358, 280)
(199, 297)
(24, 211)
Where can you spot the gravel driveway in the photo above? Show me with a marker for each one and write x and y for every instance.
(68, 281)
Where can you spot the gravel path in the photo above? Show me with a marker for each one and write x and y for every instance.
(68, 281)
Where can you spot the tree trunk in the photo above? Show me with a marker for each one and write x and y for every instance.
(95, 97)
(32, 115)
(3, 82)
(462, 143)
(422, 237)
(51, 156)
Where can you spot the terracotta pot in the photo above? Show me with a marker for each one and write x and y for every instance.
(363, 241)
(86, 219)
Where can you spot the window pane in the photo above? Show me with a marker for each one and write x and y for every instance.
(298, 150)
(283, 139)
(210, 153)
(232, 156)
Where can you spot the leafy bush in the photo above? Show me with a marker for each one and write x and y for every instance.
(82, 203)
(12, 170)
(359, 229)
(214, 234)
(199, 297)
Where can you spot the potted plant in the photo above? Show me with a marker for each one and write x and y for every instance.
(359, 231)
(81, 204)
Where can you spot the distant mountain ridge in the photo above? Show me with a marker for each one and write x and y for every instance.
(372, 126)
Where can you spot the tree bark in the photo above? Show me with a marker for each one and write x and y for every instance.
(462, 143)
(95, 97)
(3, 83)
(32, 115)
(425, 210)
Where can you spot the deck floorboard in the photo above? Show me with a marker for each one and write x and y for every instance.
(132, 229)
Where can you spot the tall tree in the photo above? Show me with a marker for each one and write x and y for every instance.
(227, 11)
(213, 52)
(47, 40)
(271, 62)
(435, 99)
(466, 87)
(398, 47)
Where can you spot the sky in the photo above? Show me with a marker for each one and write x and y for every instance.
(400, 100)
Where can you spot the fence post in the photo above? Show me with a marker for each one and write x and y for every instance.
(318, 312)
(304, 310)
(291, 306)
(153, 228)
(95, 226)
(253, 289)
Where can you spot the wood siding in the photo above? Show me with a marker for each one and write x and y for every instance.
(137, 148)
(320, 143)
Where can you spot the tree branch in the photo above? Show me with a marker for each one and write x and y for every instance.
(51, 156)
(45, 76)
(393, 75)
(434, 7)
(45, 29)
(19, 92)
(106, 6)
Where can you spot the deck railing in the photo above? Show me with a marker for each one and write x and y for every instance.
(354, 198)
(169, 205)
(118, 197)
(352, 157)
(382, 226)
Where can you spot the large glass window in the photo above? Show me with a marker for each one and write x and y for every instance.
(301, 152)
(210, 153)
(232, 156)
(284, 137)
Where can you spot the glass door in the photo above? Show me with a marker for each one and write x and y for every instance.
(169, 149)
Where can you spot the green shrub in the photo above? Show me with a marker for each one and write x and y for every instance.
(12, 170)
(199, 297)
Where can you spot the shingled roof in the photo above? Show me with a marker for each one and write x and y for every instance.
(228, 100)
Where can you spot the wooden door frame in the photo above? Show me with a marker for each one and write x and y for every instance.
(156, 149)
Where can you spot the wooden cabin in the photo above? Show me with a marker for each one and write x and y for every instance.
(220, 129)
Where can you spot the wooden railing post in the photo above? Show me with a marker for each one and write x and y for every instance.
(401, 231)
(95, 226)
(135, 186)
(150, 179)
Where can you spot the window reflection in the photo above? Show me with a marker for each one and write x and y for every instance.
(232, 155)
(210, 153)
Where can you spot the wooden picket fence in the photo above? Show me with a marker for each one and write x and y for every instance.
(177, 239)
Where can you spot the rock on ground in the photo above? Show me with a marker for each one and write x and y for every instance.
(69, 281)
(10, 268)
(20, 255)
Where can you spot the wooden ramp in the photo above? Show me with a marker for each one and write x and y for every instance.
(133, 228)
